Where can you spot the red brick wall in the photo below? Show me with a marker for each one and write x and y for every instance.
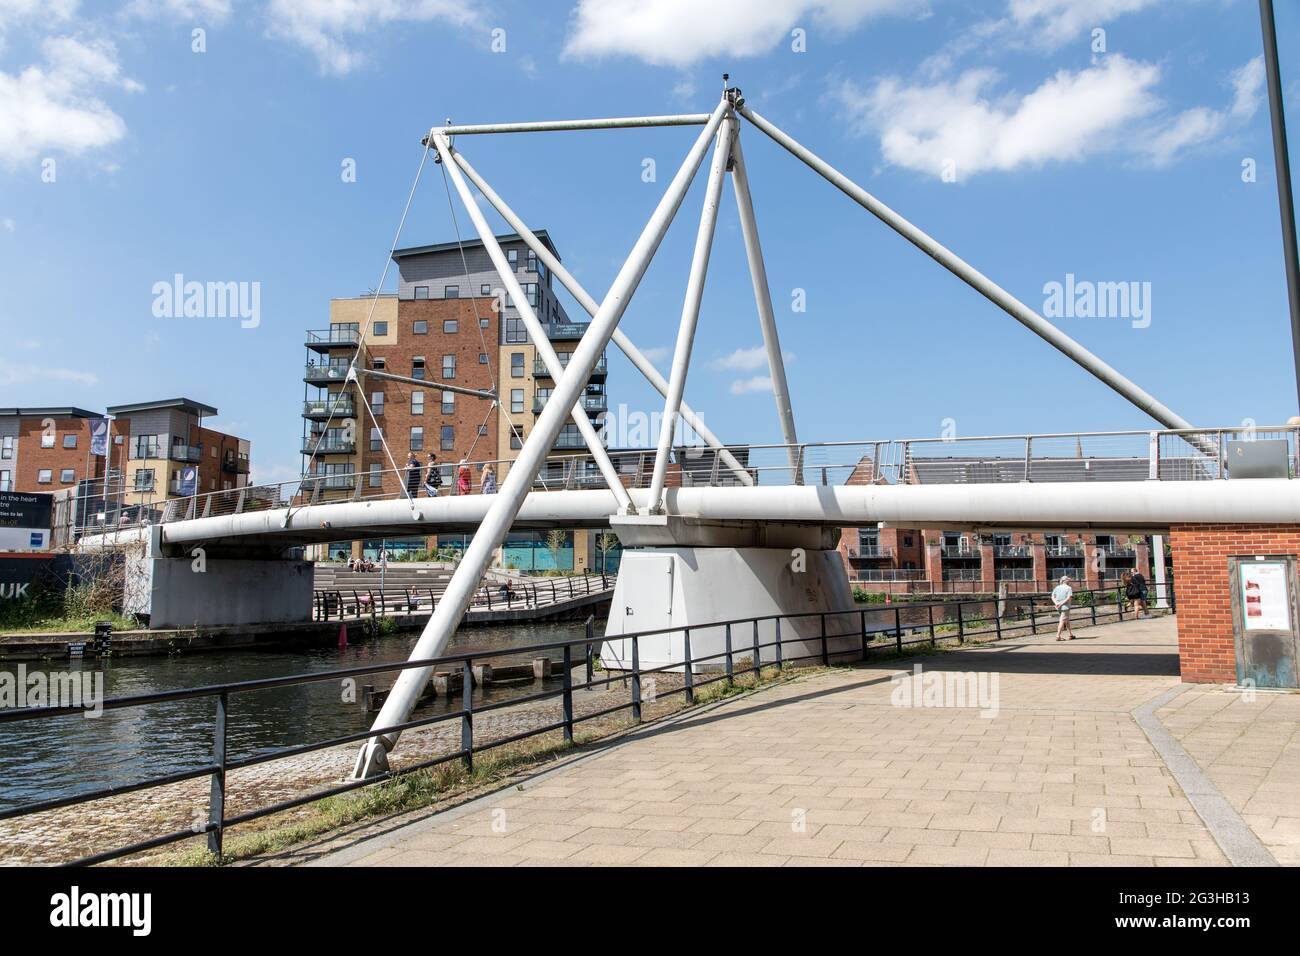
(1200, 553)
(32, 458)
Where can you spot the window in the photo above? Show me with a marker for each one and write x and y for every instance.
(377, 403)
(483, 323)
(482, 430)
(516, 400)
(482, 358)
(67, 476)
(448, 367)
(422, 292)
(44, 476)
(513, 256)
(485, 289)
(381, 328)
(69, 441)
(47, 439)
(417, 403)
(515, 331)
(417, 438)
(7, 447)
(144, 479)
(379, 363)
(376, 440)
(516, 439)
(516, 364)
(532, 261)
(420, 327)
(449, 403)
(450, 326)
(417, 367)
(448, 438)
(374, 478)
(6, 481)
(542, 395)
(144, 446)
(530, 290)
(451, 292)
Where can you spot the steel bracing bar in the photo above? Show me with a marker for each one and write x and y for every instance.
(540, 340)
(373, 757)
(691, 310)
(763, 299)
(426, 383)
(547, 126)
(584, 299)
(973, 277)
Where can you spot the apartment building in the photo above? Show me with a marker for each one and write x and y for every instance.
(449, 322)
(47, 449)
(901, 560)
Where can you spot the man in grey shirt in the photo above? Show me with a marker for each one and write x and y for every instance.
(1062, 595)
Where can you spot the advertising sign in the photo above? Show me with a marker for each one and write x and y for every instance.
(1265, 601)
(25, 521)
(99, 437)
(189, 480)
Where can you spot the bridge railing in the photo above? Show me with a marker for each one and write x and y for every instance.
(1187, 455)
(342, 602)
(860, 633)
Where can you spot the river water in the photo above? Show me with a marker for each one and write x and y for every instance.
(49, 759)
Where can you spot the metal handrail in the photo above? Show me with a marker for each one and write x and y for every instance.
(220, 764)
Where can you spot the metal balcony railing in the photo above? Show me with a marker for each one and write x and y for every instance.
(1013, 551)
(339, 407)
(871, 552)
(1065, 551)
(190, 453)
(315, 372)
(959, 552)
(540, 369)
(235, 465)
(329, 446)
(332, 338)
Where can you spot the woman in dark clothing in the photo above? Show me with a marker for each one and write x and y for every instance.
(412, 475)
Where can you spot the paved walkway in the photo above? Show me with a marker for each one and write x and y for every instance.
(828, 770)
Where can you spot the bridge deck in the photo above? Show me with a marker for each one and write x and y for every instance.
(884, 784)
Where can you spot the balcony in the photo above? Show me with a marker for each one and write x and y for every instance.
(316, 374)
(1013, 551)
(322, 340)
(569, 440)
(591, 404)
(314, 445)
(871, 551)
(540, 370)
(950, 551)
(190, 453)
(341, 482)
(235, 465)
(337, 406)
(1065, 551)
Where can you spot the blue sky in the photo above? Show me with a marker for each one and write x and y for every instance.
(1011, 131)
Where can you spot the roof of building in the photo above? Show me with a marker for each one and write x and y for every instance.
(472, 244)
(60, 411)
(184, 404)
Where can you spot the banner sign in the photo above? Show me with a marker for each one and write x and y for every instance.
(23, 510)
(189, 480)
(99, 437)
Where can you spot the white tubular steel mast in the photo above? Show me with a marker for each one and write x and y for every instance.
(373, 758)
(691, 310)
(584, 299)
(541, 341)
(570, 381)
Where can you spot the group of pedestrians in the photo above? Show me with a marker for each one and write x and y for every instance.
(430, 479)
(1135, 590)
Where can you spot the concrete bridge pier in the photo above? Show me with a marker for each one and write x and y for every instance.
(207, 587)
(683, 572)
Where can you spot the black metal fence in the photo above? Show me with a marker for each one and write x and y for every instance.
(742, 643)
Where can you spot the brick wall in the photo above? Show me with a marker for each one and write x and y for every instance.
(31, 458)
(1201, 553)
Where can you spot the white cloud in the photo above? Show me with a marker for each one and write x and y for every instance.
(759, 383)
(8, 224)
(745, 360)
(41, 12)
(326, 27)
(682, 32)
(210, 10)
(971, 126)
(657, 353)
(1055, 22)
(11, 374)
(55, 106)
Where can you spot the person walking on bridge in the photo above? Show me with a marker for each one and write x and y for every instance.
(1062, 595)
(488, 483)
(412, 476)
(433, 477)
